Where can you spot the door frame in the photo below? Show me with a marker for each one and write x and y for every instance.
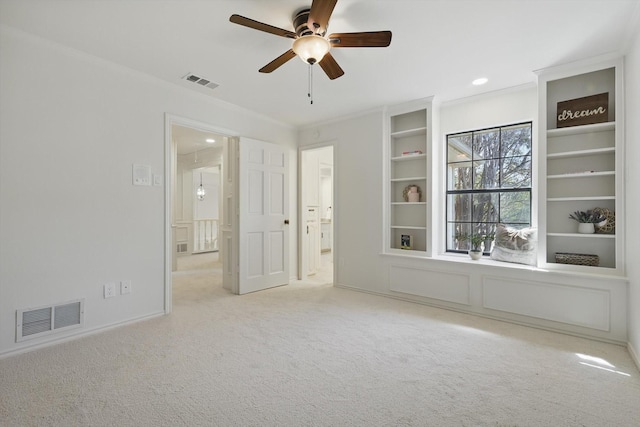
(170, 158)
(301, 208)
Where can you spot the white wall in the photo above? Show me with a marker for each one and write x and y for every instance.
(632, 182)
(70, 219)
(357, 212)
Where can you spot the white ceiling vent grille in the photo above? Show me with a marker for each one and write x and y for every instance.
(36, 322)
(200, 81)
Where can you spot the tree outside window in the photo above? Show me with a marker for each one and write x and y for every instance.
(488, 182)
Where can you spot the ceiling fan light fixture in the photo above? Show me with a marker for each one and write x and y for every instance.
(312, 48)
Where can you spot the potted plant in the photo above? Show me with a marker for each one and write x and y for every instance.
(476, 240)
(587, 220)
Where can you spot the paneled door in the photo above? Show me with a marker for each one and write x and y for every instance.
(263, 194)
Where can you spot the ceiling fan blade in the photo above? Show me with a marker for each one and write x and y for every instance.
(256, 25)
(365, 39)
(319, 15)
(280, 60)
(331, 67)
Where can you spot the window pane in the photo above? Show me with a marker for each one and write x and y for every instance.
(515, 207)
(486, 144)
(516, 141)
(453, 231)
(486, 174)
(460, 176)
(485, 208)
(516, 172)
(459, 148)
(459, 207)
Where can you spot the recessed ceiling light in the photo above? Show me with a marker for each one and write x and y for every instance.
(210, 140)
(480, 81)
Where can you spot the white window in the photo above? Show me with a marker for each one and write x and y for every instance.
(488, 182)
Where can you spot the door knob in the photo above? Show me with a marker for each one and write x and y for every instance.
(286, 222)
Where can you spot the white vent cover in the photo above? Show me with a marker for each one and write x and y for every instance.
(36, 322)
(200, 81)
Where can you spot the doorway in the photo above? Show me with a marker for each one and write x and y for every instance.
(194, 201)
(317, 236)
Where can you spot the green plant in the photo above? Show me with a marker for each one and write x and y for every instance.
(588, 216)
(476, 240)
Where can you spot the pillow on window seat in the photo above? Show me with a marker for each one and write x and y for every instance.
(515, 245)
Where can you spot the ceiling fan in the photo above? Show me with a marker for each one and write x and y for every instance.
(310, 41)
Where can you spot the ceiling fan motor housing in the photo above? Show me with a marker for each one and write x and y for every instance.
(300, 23)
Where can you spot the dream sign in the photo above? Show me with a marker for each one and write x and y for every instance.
(583, 111)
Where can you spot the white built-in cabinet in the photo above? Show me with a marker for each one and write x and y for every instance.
(581, 167)
(407, 162)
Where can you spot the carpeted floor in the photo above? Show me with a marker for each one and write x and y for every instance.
(314, 355)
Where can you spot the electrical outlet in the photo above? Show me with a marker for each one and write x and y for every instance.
(125, 287)
(110, 290)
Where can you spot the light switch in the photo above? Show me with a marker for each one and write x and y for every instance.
(157, 180)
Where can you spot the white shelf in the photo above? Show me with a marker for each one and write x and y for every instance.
(408, 157)
(409, 132)
(579, 130)
(592, 235)
(409, 227)
(584, 166)
(582, 153)
(581, 175)
(580, 199)
(413, 178)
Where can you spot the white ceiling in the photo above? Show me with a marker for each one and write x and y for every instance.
(189, 140)
(438, 46)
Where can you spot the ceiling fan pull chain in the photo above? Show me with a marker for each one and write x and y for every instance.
(310, 92)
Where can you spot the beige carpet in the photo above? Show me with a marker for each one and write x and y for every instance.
(314, 355)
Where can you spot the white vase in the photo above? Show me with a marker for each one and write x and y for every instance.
(475, 255)
(586, 228)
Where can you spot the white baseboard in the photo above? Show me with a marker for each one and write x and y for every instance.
(79, 334)
(634, 355)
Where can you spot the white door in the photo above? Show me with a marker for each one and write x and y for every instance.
(263, 192)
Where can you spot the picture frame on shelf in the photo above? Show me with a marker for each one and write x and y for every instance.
(406, 241)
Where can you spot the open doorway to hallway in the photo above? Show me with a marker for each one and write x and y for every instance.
(316, 216)
(196, 204)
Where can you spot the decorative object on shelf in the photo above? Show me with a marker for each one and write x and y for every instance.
(583, 111)
(587, 220)
(412, 193)
(411, 153)
(577, 259)
(515, 245)
(609, 227)
(406, 241)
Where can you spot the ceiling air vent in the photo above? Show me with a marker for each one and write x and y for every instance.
(200, 81)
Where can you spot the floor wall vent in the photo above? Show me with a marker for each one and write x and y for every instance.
(40, 321)
(200, 81)
(182, 248)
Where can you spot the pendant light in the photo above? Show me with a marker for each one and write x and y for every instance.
(200, 191)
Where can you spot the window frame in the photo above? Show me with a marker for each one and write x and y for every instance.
(490, 191)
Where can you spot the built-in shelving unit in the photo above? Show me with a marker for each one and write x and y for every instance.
(408, 143)
(581, 167)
